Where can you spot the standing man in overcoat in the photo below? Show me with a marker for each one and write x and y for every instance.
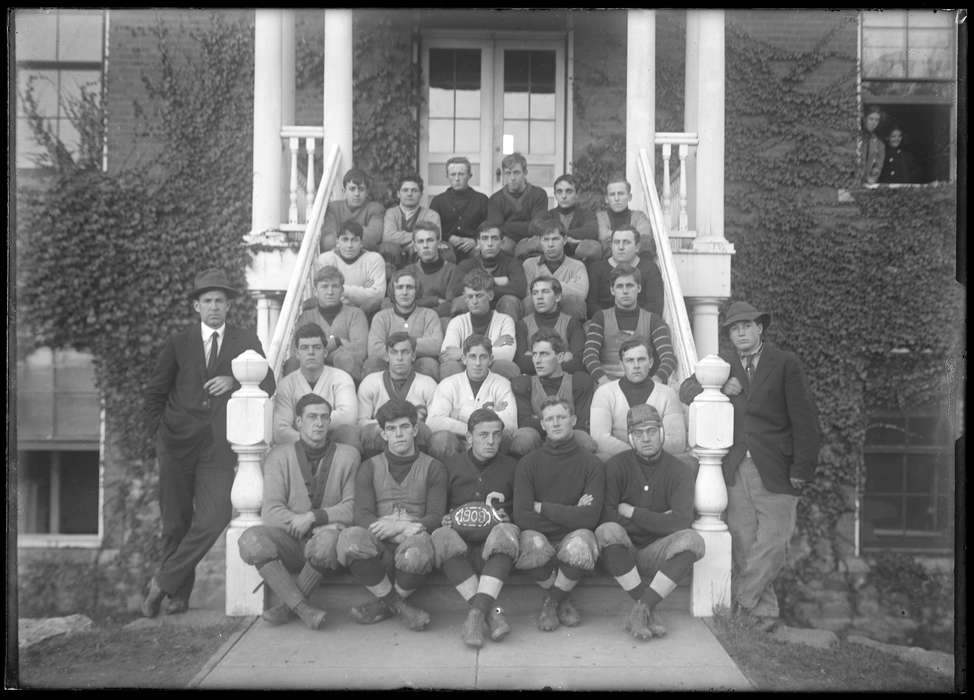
(186, 411)
(775, 450)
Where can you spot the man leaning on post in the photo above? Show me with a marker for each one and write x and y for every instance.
(774, 454)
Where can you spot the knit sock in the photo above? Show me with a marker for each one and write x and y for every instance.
(460, 573)
(407, 583)
(565, 581)
(368, 572)
(664, 582)
(618, 561)
(544, 575)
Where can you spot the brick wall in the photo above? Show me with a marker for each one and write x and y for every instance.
(132, 53)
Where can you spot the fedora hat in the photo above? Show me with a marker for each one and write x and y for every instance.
(742, 311)
(213, 278)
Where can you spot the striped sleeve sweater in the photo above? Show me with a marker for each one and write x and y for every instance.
(659, 336)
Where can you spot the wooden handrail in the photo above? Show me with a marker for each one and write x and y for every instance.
(674, 308)
(307, 254)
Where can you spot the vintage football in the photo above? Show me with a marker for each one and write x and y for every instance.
(474, 520)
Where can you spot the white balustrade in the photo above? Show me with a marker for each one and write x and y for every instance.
(684, 141)
(248, 432)
(711, 435)
(300, 199)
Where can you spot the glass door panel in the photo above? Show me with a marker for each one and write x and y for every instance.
(456, 111)
(531, 106)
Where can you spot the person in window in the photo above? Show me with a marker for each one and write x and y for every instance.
(899, 165)
(873, 148)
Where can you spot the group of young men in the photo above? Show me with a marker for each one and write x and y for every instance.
(467, 395)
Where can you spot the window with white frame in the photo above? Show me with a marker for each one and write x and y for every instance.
(909, 72)
(58, 441)
(60, 58)
(908, 491)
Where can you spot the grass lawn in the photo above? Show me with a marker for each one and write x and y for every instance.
(773, 665)
(166, 656)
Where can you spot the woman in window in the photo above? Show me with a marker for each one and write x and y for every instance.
(873, 148)
(898, 165)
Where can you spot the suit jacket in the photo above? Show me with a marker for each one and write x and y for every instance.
(178, 410)
(775, 419)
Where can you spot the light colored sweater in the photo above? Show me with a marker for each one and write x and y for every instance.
(454, 401)
(461, 327)
(394, 224)
(350, 324)
(607, 419)
(571, 273)
(334, 385)
(286, 496)
(422, 324)
(372, 394)
(365, 279)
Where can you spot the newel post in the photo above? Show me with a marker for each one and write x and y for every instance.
(248, 431)
(711, 434)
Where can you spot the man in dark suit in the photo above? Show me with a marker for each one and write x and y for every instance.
(186, 409)
(775, 450)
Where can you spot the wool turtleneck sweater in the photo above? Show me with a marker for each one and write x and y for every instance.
(470, 479)
(660, 490)
(557, 475)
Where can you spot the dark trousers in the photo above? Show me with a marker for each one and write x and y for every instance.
(194, 497)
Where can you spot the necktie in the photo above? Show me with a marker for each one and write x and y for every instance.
(214, 351)
(749, 368)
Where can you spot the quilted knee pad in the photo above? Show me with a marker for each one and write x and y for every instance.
(256, 548)
(608, 534)
(415, 554)
(579, 549)
(356, 543)
(447, 544)
(321, 551)
(503, 538)
(687, 541)
(536, 550)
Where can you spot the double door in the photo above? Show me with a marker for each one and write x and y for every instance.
(488, 97)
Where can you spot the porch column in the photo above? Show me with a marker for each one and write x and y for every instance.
(640, 96)
(711, 434)
(248, 432)
(704, 114)
(338, 84)
(704, 312)
(267, 196)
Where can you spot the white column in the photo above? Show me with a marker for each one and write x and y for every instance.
(268, 183)
(690, 77)
(248, 420)
(705, 114)
(711, 434)
(268, 311)
(705, 319)
(288, 61)
(640, 96)
(338, 84)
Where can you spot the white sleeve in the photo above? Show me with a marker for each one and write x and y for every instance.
(366, 401)
(345, 410)
(441, 406)
(600, 421)
(505, 327)
(674, 421)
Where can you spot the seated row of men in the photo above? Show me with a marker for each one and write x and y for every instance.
(394, 518)
(460, 210)
(357, 346)
(445, 406)
(511, 235)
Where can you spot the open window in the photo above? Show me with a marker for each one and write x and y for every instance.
(909, 71)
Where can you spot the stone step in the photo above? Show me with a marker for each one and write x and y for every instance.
(599, 595)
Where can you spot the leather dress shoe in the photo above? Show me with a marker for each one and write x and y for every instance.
(153, 599)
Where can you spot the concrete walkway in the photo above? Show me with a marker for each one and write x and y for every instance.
(597, 655)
